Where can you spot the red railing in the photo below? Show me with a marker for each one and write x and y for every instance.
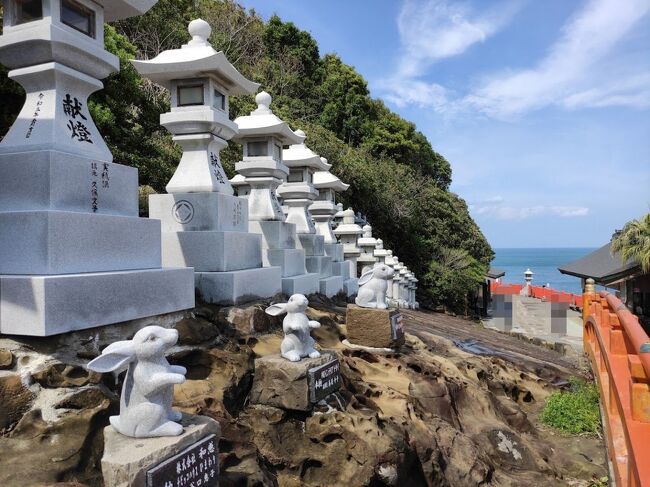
(619, 350)
(545, 293)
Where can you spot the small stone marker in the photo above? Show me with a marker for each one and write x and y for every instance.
(324, 380)
(294, 385)
(378, 328)
(196, 465)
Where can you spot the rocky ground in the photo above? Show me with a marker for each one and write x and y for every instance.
(457, 406)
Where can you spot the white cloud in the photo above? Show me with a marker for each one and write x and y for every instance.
(494, 208)
(568, 73)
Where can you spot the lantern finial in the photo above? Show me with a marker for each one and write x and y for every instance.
(200, 31)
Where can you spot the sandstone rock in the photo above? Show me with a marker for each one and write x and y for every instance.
(378, 328)
(249, 319)
(192, 331)
(6, 359)
(281, 383)
(66, 375)
(15, 400)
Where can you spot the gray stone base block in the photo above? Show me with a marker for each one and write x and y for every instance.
(275, 234)
(292, 261)
(319, 264)
(52, 180)
(237, 287)
(312, 243)
(126, 460)
(351, 287)
(331, 286)
(194, 212)
(341, 269)
(49, 305)
(335, 251)
(211, 251)
(61, 242)
(379, 328)
(306, 284)
(284, 384)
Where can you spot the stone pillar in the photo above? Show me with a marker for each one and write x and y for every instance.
(204, 225)
(73, 252)
(348, 233)
(367, 245)
(261, 171)
(390, 301)
(397, 282)
(298, 193)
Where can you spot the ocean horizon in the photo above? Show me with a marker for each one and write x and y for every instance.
(543, 261)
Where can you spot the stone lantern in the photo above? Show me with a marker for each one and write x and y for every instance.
(262, 170)
(338, 216)
(323, 210)
(204, 225)
(397, 281)
(73, 252)
(200, 81)
(528, 277)
(380, 252)
(367, 245)
(242, 189)
(403, 272)
(390, 261)
(348, 232)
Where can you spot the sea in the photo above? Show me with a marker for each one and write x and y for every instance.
(543, 262)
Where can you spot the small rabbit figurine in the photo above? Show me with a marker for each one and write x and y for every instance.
(145, 405)
(373, 285)
(297, 342)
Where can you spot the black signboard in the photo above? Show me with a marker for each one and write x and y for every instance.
(323, 380)
(196, 466)
(396, 326)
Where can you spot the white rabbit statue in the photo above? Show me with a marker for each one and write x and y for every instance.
(297, 342)
(147, 393)
(373, 285)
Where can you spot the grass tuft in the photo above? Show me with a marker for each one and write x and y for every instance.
(574, 411)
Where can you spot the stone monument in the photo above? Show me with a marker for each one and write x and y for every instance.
(204, 225)
(298, 193)
(263, 135)
(338, 216)
(300, 376)
(323, 210)
(73, 252)
(348, 232)
(367, 244)
(239, 185)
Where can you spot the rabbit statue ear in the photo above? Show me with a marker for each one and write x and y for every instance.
(366, 277)
(276, 309)
(116, 357)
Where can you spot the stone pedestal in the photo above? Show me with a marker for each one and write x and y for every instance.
(378, 328)
(319, 263)
(127, 461)
(209, 231)
(294, 385)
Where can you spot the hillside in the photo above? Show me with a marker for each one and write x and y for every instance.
(397, 179)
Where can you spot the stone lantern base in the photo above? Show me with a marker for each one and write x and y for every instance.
(318, 262)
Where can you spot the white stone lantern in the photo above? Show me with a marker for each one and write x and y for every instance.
(241, 187)
(324, 207)
(73, 252)
(380, 252)
(298, 191)
(367, 245)
(528, 277)
(263, 136)
(403, 272)
(338, 216)
(200, 81)
(390, 261)
(348, 233)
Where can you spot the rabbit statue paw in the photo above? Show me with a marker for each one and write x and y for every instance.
(373, 285)
(297, 342)
(145, 405)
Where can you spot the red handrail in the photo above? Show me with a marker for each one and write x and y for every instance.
(616, 345)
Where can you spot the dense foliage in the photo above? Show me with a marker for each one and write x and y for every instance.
(396, 177)
(633, 242)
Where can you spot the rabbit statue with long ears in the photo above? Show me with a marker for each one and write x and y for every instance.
(297, 342)
(373, 285)
(146, 402)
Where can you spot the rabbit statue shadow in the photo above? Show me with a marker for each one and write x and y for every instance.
(373, 285)
(145, 405)
(297, 342)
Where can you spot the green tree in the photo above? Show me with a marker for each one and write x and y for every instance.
(633, 242)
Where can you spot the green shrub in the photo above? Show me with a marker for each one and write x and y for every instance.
(574, 411)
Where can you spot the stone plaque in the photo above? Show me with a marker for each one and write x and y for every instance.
(323, 380)
(196, 466)
(396, 326)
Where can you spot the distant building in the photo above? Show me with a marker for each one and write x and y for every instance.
(484, 294)
(608, 270)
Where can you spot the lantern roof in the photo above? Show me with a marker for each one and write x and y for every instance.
(299, 155)
(262, 121)
(327, 180)
(122, 9)
(196, 59)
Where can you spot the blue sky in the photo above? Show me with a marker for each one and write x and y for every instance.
(542, 108)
